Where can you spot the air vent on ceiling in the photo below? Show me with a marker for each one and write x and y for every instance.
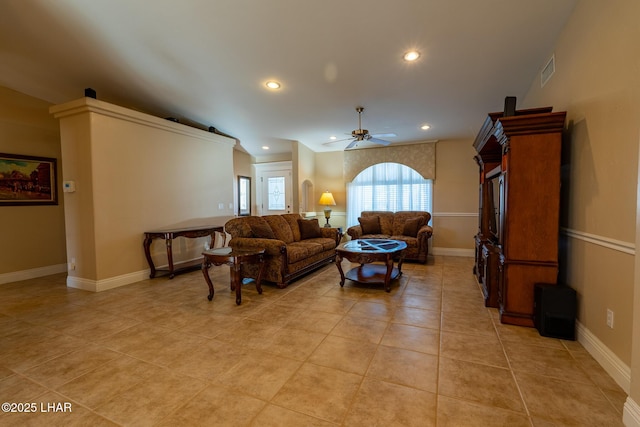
(548, 71)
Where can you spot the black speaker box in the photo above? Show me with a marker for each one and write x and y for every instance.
(554, 311)
(90, 93)
(509, 106)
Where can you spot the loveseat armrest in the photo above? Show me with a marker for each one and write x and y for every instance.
(331, 233)
(425, 232)
(272, 247)
(355, 232)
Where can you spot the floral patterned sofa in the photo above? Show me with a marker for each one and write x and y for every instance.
(294, 246)
(409, 226)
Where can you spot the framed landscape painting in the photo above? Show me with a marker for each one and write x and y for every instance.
(27, 180)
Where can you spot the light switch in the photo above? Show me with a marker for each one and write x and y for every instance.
(68, 186)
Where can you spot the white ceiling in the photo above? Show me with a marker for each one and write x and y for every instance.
(206, 62)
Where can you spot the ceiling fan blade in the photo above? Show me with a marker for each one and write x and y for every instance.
(351, 144)
(337, 140)
(379, 141)
(383, 135)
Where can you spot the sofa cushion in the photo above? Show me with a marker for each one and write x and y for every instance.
(280, 227)
(261, 230)
(411, 242)
(412, 225)
(309, 228)
(238, 227)
(292, 220)
(375, 236)
(386, 222)
(326, 243)
(370, 224)
(401, 217)
(298, 251)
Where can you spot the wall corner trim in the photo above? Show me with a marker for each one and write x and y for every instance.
(106, 284)
(631, 413)
(16, 276)
(611, 363)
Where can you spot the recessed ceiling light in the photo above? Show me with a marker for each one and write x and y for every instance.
(333, 138)
(412, 55)
(265, 147)
(272, 84)
(425, 127)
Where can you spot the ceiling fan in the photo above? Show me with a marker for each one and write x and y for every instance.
(363, 134)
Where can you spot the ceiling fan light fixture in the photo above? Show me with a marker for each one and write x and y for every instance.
(272, 84)
(411, 55)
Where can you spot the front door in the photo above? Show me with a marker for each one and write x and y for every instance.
(276, 192)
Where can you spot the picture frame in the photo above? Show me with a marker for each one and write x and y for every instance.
(28, 180)
(244, 196)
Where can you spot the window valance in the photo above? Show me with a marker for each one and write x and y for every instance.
(421, 157)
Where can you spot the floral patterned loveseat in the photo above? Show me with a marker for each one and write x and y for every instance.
(409, 226)
(294, 246)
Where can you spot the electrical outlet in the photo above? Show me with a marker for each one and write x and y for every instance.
(72, 264)
(610, 318)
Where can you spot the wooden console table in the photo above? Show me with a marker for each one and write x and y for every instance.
(168, 234)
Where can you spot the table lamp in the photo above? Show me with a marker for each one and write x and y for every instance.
(327, 200)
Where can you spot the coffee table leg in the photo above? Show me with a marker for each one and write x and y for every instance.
(387, 277)
(339, 265)
(259, 279)
(400, 263)
(205, 271)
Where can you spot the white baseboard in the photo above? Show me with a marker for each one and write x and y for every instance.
(611, 363)
(110, 283)
(631, 413)
(16, 276)
(453, 252)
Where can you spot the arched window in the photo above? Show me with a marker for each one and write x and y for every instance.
(387, 187)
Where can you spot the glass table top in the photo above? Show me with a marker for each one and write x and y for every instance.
(373, 245)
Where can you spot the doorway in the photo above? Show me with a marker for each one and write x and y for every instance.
(274, 192)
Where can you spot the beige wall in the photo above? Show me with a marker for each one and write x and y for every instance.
(330, 177)
(33, 237)
(455, 195)
(597, 82)
(303, 170)
(134, 173)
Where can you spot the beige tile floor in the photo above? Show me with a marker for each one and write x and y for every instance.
(315, 354)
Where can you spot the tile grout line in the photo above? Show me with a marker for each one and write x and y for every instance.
(513, 375)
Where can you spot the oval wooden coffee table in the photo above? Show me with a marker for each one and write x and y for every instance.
(367, 251)
(233, 258)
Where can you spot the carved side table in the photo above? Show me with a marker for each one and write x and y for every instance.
(233, 258)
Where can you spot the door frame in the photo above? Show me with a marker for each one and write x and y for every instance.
(263, 168)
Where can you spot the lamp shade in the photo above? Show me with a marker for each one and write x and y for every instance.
(327, 199)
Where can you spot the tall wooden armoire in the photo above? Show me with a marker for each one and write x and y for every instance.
(517, 240)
